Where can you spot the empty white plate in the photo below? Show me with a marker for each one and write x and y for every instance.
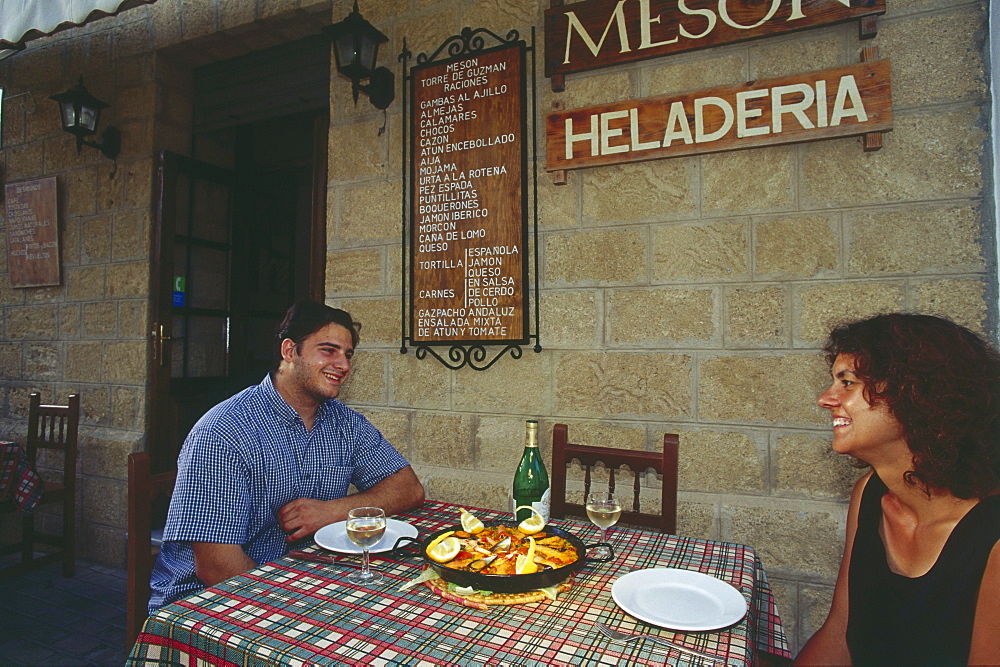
(679, 599)
(334, 537)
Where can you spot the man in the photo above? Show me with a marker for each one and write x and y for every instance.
(272, 464)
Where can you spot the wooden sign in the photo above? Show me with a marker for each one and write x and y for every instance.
(597, 33)
(837, 102)
(468, 209)
(32, 233)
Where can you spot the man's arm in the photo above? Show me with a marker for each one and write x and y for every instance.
(396, 493)
(217, 562)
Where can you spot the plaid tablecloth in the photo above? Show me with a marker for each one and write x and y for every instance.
(301, 613)
(18, 481)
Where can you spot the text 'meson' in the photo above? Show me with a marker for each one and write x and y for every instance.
(597, 33)
(842, 101)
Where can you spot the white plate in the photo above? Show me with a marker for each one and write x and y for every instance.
(334, 537)
(679, 599)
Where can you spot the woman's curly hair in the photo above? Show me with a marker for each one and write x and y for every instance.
(942, 382)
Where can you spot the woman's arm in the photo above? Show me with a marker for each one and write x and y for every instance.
(986, 628)
(829, 645)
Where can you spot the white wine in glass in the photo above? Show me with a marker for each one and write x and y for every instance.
(604, 511)
(365, 527)
(365, 532)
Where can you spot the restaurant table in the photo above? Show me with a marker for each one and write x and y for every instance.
(294, 612)
(18, 480)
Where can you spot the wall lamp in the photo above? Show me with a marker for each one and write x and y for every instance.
(80, 112)
(355, 46)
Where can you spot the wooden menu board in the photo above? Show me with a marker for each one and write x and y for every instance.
(32, 233)
(468, 209)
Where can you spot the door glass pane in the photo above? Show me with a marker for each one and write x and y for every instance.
(208, 285)
(211, 212)
(177, 346)
(180, 257)
(207, 346)
(182, 201)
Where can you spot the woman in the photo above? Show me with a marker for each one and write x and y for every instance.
(918, 399)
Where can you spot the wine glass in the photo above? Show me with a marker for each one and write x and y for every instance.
(604, 511)
(365, 527)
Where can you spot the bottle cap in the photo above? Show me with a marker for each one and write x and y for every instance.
(531, 433)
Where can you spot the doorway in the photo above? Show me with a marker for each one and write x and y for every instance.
(240, 236)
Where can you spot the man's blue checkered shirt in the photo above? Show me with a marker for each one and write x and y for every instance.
(245, 459)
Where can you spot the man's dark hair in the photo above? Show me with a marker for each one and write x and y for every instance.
(305, 318)
(942, 382)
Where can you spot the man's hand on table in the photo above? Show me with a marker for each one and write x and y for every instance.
(396, 493)
(304, 516)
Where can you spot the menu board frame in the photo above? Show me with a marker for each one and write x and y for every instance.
(511, 324)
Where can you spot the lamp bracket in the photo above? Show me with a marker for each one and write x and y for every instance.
(381, 88)
(110, 145)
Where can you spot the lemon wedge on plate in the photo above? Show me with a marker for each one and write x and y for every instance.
(444, 550)
(470, 523)
(533, 523)
(525, 563)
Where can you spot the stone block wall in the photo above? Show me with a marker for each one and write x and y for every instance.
(691, 294)
(88, 334)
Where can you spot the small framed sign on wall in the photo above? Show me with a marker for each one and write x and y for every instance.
(32, 233)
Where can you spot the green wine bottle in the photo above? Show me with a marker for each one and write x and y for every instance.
(531, 482)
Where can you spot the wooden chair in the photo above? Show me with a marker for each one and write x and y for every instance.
(52, 427)
(145, 490)
(664, 463)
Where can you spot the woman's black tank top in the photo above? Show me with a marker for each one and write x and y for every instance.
(925, 620)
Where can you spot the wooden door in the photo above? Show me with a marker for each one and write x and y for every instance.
(233, 249)
(191, 306)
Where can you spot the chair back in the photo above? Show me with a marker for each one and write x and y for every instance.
(54, 427)
(144, 490)
(664, 463)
